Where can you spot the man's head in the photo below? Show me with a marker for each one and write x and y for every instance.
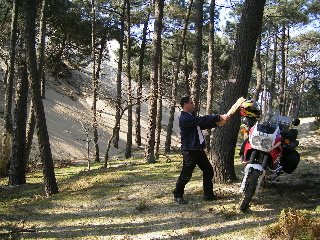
(187, 104)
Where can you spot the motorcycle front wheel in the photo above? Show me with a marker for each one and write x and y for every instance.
(250, 189)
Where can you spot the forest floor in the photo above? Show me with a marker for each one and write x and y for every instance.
(133, 200)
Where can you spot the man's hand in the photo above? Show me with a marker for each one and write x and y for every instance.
(223, 119)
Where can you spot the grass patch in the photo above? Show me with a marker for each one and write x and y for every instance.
(135, 201)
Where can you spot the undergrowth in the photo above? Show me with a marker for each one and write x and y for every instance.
(131, 198)
(294, 223)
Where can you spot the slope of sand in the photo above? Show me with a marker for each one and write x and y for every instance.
(69, 122)
(68, 115)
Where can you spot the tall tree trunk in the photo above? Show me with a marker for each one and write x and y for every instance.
(259, 69)
(42, 47)
(266, 70)
(30, 131)
(283, 73)
(51, 186)
(116, 126)
(285, 95)
(186, 71)
(140, 79)
(152, 107)
(274, 68)
(119, 75)
(129, 132)
(17, 174)
(197, 54)
(210, 70)
(159, 108)
(94, 87)
(175, 82)
(100, 55)
(41, 71)
(225, 138)
(296, 113)
(7, 134)
(294, 98)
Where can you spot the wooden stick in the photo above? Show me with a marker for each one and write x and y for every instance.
(235, 106)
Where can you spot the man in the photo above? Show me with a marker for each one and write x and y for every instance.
(192, 148)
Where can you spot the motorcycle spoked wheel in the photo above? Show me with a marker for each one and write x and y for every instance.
(252, 182)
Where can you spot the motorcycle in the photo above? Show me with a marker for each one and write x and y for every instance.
(267, 153)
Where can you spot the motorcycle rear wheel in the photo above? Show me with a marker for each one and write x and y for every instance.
(252, 182)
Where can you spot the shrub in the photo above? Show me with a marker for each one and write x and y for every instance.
(294, 223)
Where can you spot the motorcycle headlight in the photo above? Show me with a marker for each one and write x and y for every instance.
(266, 143)
(256, 140)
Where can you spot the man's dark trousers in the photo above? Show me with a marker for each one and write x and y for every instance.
(191, 158)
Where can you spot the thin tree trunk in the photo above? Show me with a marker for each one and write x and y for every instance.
(225, 138)
(283, 73)
(259, 69)
(116, 126)
(186, 71)
(266, 69)
(119, 75)
(159, 109)
(17, 174)
(152, 107)
(41, 71)
(42, 47)
(7, 123)
(140, 78)
(51, 186)
(175, 82)
(296, 114)
(273, 76)
(210, 71)
(129, 132)
(102, 47)
(286, 96)
(293, 99)
(94, 87)
(30, 131)
(197, 55)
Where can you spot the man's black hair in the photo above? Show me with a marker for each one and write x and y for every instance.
(184, 100)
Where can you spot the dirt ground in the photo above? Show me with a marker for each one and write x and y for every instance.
(143, 208)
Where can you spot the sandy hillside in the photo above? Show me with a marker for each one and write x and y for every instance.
(68, 114)
(68, 120)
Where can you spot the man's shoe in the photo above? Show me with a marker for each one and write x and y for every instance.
(210, 198)
(180, 200)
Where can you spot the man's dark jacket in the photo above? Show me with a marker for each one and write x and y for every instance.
(188, 129)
